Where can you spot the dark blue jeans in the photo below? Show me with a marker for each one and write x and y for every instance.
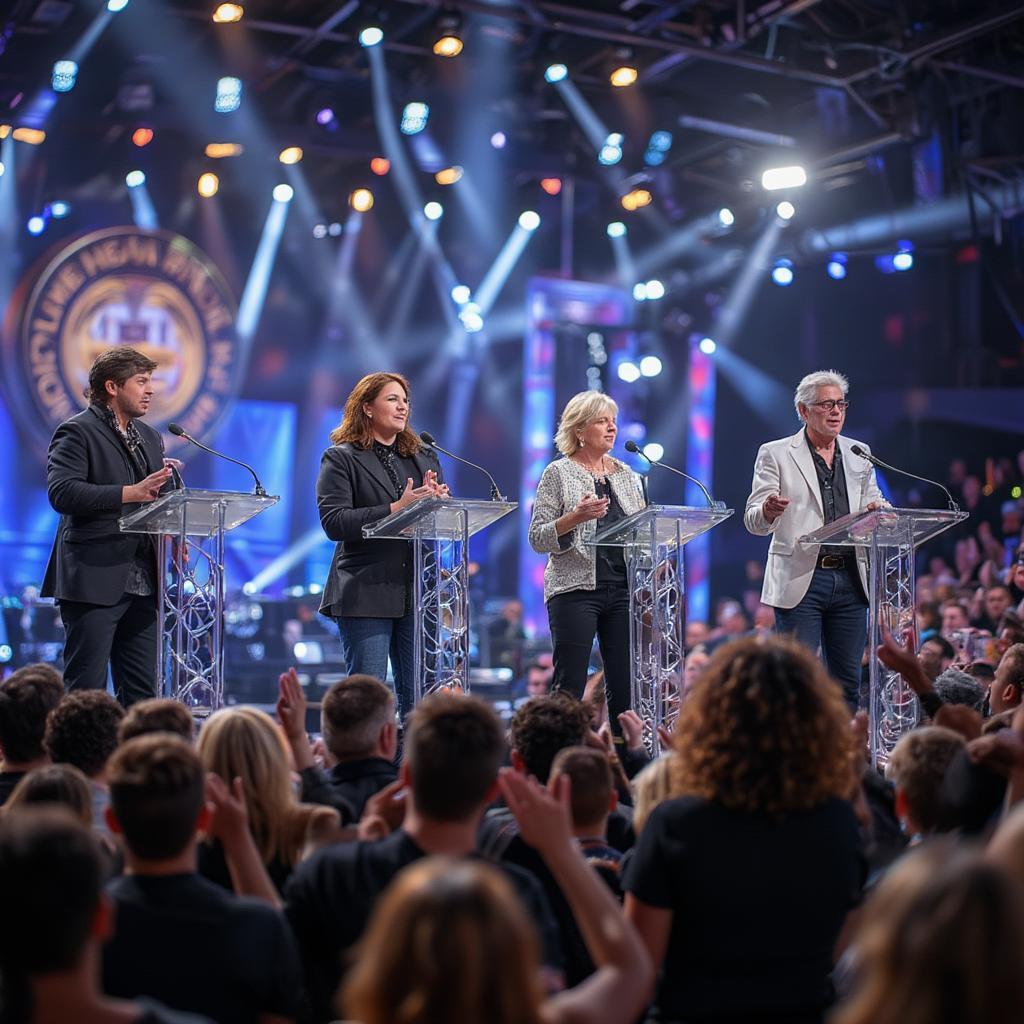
(369, 643)
(832, 616)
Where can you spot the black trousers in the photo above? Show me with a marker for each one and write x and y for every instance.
(575, 617)
(123, 635)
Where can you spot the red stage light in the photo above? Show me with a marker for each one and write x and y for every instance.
(551, 185)
(380, 165)
(142, 136)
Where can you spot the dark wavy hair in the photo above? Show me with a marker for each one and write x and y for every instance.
(82, 730)
(764, 730)
(355, 424)
(116, 364)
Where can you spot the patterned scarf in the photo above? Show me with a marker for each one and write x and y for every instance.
(386, 454)
(130, 437)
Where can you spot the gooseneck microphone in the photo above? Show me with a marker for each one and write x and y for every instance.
(876, 461)
(428, 440)
(632, 446)
(178, 431)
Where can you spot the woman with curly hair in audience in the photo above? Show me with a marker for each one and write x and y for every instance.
(247, 750)
(741, 883)
(942, 942)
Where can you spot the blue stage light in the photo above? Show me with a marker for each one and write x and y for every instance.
(837, 266)
(555, 73)
(616, 229)
(133, 179)
(414, 118)
(782, 273)
(59, 209)
(65, 74)
(708, 346)
(229, 95)
(372, 35)
(36, 225)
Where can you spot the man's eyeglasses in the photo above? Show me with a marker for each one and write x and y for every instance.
(831, 403)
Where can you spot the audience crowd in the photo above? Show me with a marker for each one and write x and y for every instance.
(760, 870)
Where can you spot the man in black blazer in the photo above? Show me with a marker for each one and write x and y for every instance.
(103, 463)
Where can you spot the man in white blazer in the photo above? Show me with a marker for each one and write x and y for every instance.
(800, 484)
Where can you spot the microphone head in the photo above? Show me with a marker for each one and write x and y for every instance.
(176, 429)
(426, 438)
(856, 449)
(632, 446)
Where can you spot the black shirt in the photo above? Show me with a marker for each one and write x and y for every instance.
(611, 564)
(757, 905)
(835, 499)
(8, 780)
(348, 785)
(332, 894)
(191, 945)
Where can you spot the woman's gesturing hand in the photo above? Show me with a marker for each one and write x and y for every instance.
(590, 507)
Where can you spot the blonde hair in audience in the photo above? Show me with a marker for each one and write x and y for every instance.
(942, 942)
(245, 743)
(449, 942)
(652, 786)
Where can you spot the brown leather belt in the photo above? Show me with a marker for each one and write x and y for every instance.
(832, 562)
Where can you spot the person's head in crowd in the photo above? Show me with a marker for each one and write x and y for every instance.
(694, 663)
(55, 916)
(696, 632)
(1007, 687)
(245, 743)
(732, 619)
(954, 617)
(453, 749)
(511, 611)
(954, 686)
(82, 730)
(929, 620)
(157, 799)
(764, 730)
(651, 786)
(538, 679)
(982, 671)
(1010, 631)
(996, 602)
(593, 795)
(936, 654)
(158, 714)
(448, 941)
(544, 726)
(1017, 570)
(357, 719)
(60, 784)
(942, 942)
(971, 490)
(916, 768)
(27, 696)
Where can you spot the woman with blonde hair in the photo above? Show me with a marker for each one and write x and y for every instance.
(376, 465)
(244, 743)
(942, 942)
(585, 587)
(741, 883)
(450, 941)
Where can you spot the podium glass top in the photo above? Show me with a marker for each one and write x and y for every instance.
(671, 524)
(438, 518)
(891, 527)
(196, 512)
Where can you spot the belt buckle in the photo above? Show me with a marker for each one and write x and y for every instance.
(832, 561)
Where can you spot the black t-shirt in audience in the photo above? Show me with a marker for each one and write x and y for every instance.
(757, 905)
(332, 894)
(189, 944)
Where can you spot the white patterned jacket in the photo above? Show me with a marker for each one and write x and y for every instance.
(572, 565)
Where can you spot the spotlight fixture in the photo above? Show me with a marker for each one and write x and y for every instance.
(726, 217)
(283, 193)
(324, 116)
(65, 74)
(639, 292)
(636, 199)
(785, 210)
(334, 229)
(707, 346)
(36, 224)
(361, 200)
(551, 185)
(290, 155)
(208, 184)
(628, 371)
(461, 294)
(555, 73)
(319, 230)
(783, 177)
(414, 118)
(372, 35)
(116, 6)
(448, 46)
(616, 229)
(433, 211)
(653, 451)
(229, 95)
(529, 220)
(658, 146)
(655, 289)
(650, 366)
(31, 136)
(498, 140)
(225, 14)
(782, 273)
(58, 209)
(380, 165)
(220, 150)
(903, 260)
(142, 137)
(471, 319)
(623, 76)
(448, 176)
(836, 267)
(133, 179)
(611, 152)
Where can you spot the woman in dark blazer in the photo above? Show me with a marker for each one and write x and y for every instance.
(376, 466)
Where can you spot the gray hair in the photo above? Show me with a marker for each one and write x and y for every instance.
(807, 389)
(957, 687)
(580, 410)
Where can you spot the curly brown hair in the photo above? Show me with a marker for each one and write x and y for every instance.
(355, 424)
(764, 730)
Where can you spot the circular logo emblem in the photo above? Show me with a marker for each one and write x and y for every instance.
(150, 290)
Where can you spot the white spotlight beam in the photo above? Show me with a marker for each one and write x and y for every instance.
(8, 220)
(286, 561)
(143, 210)
(255, 291)
(624, 264)
(677, 243)
(498, 273)
(741, 294)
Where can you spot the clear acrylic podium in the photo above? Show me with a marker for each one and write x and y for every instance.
(890, 536)
(190, 525)
(652, 541)
(439, 529)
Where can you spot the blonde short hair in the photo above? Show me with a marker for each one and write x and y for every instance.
(580, 410)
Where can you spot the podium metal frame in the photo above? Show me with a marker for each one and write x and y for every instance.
(439, 529)
(890, 537)
(189, 525)
(652, 541)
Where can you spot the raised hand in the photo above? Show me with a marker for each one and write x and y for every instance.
(291, 705)
(590, 506)
(773, 507)
(145, 490)
(543, 815)
(413, 494)
(632, 729)
(229, 820)
(387, 806)
(902, 659)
